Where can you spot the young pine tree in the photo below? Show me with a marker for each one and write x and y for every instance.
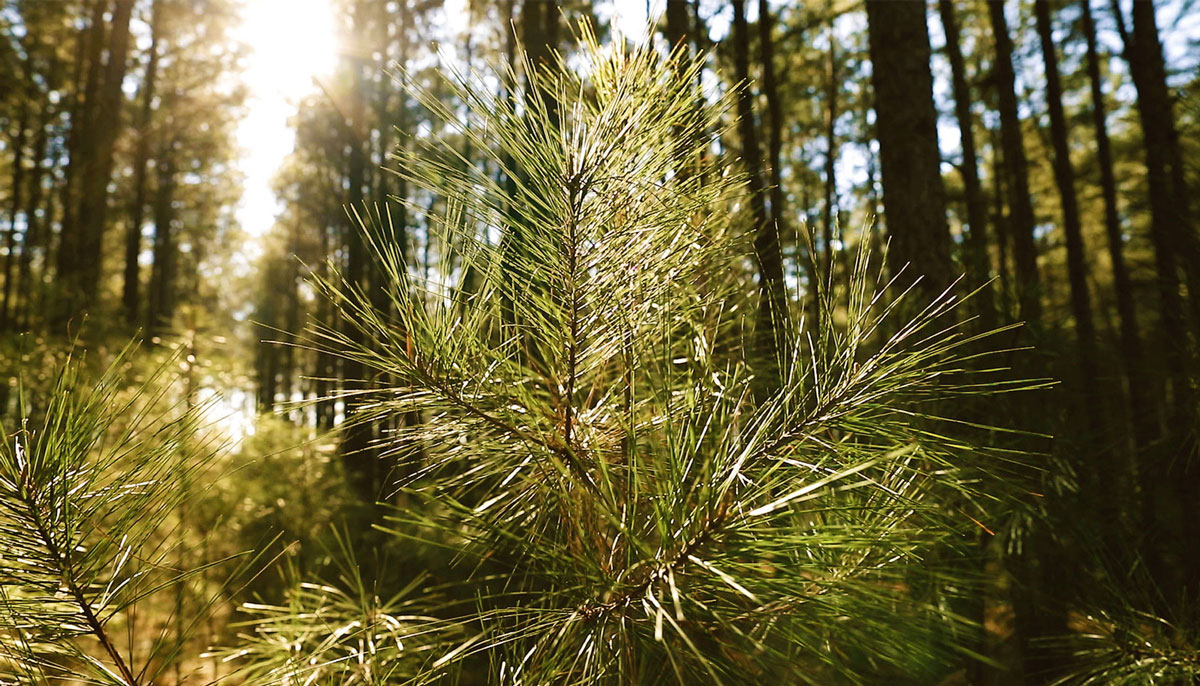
(625, 505)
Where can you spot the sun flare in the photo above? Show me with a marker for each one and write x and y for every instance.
(290, 42)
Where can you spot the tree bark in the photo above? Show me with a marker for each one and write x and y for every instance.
(1141, 398)
(913, 197)
(774, 118)
(980, 271)
(772, 297)
(34, 225)
(1016, 169)
(98, 167)
(162, 274)
(360, 461)
(1064, 175)
(831, 152)
(80, 151)
(1174, 237)
(130, 297)
(18, 143)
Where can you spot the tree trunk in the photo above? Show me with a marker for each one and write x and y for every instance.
(162, 274)
(18, 144)
(34, 225)
(1141, 398)
(1016, 169)
(1064, 176)
(772, 297)
(539, 32)
(130, 297)
(81, 144)
(913, 197)
(360, 461)
(97, 171)
(831, 152)
(980, 271)
(774, 118)
(1173, 236)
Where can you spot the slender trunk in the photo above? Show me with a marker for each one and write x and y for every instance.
(130, 297)
(18, 144)
(359, 460)
(325, 361)
(774, 118)
(1175, 247)
(162, 274)
(1141, 398)
(34, 225)
(980, 270)
(539, 29)
(81, 144)
(1016, 168)
(1100, 475)
(831, 151)
(772, 297)
(1064, 175)
(1003, 237)
(913, 197)
(97, 172)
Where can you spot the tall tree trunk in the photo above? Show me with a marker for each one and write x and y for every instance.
(831, 152)
(1003, 234)
(913, 197)
(34, 225)
(1141, 398)
(1064, 175)
(1173, 236)
(772, 297)
(162, 274)
(980, 269)
(18, 144)
(360, 461)
(1016, 169)
(130, 297)
(81, 144)
(325, 362)
(774, 118)
(539, 32)
(1099, 470)
(97, 171)
(678, 26)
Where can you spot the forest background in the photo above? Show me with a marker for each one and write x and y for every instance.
(1047, 150)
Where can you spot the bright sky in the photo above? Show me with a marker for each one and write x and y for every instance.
(291, 42)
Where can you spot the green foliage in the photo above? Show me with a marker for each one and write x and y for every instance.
(629, 510)
(338, 633)
(90, 479)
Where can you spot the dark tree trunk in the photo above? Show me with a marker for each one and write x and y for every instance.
(1173, 237)
(1064, 176)
(1016, 169)
(18, 144)
(130, 297)
(1141, 398)
(539, 32)
(831, 152)
(97, 171)
(980, 269)
(774, 118)
(360, 461)
(913, 197)
(35, 225)
(81, 144)
(162, 274)
(772, 297)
